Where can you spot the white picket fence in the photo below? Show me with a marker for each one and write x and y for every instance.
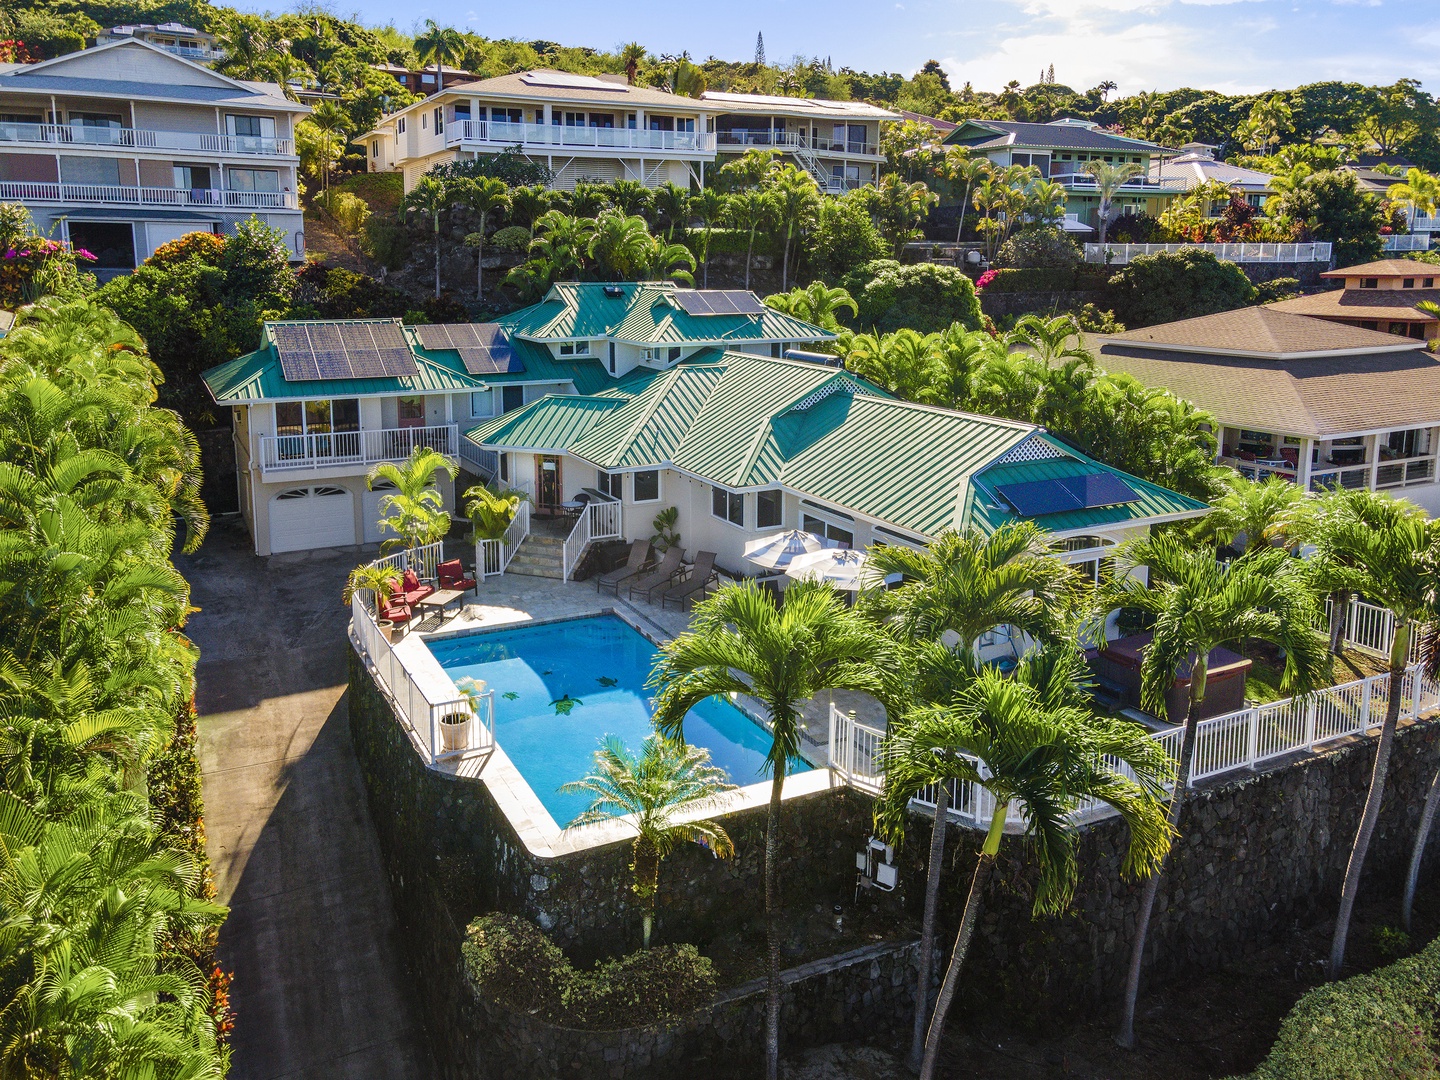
(1120, 254)
(1235, 742)
(492, 557)
(440, 728)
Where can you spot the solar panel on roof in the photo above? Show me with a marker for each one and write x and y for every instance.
(1037, 498)
(434, 336)
(388, 335)
(718, 302)
(297, 359)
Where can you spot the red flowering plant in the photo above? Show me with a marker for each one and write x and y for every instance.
(31, 265)
(985, 279)
(14, 51)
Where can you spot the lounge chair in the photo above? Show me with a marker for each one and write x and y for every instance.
(451, 575)
(639, 556)
(398, 612)
(662, 575)
(694, 586)
(411, 589)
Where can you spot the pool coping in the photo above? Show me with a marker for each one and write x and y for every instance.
(532, 823)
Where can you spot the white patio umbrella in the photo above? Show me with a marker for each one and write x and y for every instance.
(844, 568)
(775, 552)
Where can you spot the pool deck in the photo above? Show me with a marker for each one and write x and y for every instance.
(514, 599)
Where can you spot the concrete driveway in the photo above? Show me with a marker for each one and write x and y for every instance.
(319, 988)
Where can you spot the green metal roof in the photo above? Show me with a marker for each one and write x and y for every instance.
(645, 313)
(748, 421)
(541, 366)
(257, 376)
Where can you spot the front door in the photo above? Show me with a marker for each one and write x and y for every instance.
(548, 482)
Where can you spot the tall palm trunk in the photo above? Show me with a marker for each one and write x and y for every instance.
(983, 869)
(750, 247)
(959, 229)
(927, 926)
(705, 264)
(1399, 654)
(772, 927)
(437, 256)
(1339, 605)
(646, 867)
(1104, 219)
(1198, 675)
(1422, 838)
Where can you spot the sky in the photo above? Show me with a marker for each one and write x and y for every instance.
(1229, 45)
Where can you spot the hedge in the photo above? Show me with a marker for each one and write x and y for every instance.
(1048, 279)
(1382, 1024)
(516, 965)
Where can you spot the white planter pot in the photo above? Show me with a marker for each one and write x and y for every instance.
(387, 628)
(454, 734)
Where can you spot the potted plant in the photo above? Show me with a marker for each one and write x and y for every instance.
(664, 525)
(380, 582)
(455, 726)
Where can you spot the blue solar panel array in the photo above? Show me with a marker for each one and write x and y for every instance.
(483, 347)
(1036, 498)
(358, 350)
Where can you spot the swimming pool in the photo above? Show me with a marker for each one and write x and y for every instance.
(561, 687)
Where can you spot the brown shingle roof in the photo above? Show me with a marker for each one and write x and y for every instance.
(1385, 268)
(1322, 397)
(1261, 332)
(1363, 303)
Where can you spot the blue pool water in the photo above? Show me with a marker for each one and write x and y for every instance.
(604, 663)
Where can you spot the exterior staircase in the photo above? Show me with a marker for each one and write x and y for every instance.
(539, 556)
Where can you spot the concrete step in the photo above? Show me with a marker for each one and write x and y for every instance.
(539, 556)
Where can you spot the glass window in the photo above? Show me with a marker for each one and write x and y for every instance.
(767, 509)
(674, 353)
(1429, 283)
(439, 120)
(575, 348)
(647, 485)
(400, 126)
(1369, 283)
(317, 416)
(247, 125)
(482, 403)
(254, 180)
(609, 483)
(289, 418)
(1408, 283)
(505, 467)
(345, 414)
(729, 505)
(511, 397)
(820, 527)
(410, 409)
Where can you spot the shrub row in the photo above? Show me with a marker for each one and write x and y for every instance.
(514, 964)
(1049, 279)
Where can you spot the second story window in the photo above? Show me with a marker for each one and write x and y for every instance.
(575, 348)
(729, 505)
(1369, 283)
(400, 126)
(439, 120)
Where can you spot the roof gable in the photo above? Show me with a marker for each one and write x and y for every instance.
(1262, 332)
(132, 61)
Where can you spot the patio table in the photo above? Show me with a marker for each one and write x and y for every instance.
(440, 599)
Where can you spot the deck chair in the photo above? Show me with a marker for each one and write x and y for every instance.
(693, 587)
(660, 576)
(639, 555)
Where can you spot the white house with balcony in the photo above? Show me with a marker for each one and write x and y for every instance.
(836, 142)
(124, 146)
(1318, 403)
(1062, 151)
(580, 127)
(173, 37)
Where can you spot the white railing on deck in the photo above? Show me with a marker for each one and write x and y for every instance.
(1406, 242)
(855, 750)
(597, 521)
(1119, 254)
(125, 195)
(1371, 629)
(492, 557)
(420, 712)
(141, 138)
(279, 453)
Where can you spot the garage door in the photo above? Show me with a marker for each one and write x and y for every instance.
(312, 517)
(370, 512)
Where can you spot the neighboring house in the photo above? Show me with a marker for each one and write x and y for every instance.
(304, 443)
(743, 446)
(173, 37)
(422, 80)
(1318, 403)
(1377, 296)
(836, 142)
(1196, 165)
(941, 127)
(580, 127)
(124, 146)
(1062, 149)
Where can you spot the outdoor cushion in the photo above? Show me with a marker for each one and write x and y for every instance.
(396, 613)
(452, 576)
(415, 595)
(411, 580)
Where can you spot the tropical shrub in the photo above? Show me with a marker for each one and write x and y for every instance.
(512, 238)
(1133, 228)
(1038, 247)
(1331, 205)
(32, 266)
(1182, 284)
(349, 211)
(332, 292)
(925, 297)
(1280, 288)
(1379, 1024)
(844, 238)
(512, 962)
(510, 165)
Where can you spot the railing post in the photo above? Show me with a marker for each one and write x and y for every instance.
(1252, 738)
(1365, 704)
(1310, 721)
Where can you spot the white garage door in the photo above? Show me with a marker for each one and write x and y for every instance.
(312, 517)
(370, 512)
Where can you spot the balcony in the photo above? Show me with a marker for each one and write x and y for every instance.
(74, 135)
(361, 449)
(1085, 182)
(789, 142)
(200, 53)
(559, 135)
(182, 198)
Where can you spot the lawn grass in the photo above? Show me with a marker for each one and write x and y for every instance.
(1262, 684)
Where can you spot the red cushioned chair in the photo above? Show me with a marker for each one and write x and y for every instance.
(412, 589)
(452, 576)
(398, 612)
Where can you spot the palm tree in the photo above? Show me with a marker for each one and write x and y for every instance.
(379, 581)
(440, 44)
(527, 204)
(1261, 512)
(688, 79)
(1420, 194)
(1200, 604)
(330, 119)
(740, 641)
(491, 512)
(672, 262)
(430, 197)
(905, 363)
(959, 171)
(901, 207)
(1109, 179)
(1045, 201)
(671, 204)
(1010, 738)
(750, 211)
(482, 196)
(967, 585)
(796, 201)
(620, 246)
(416, 507)
(586, 199)
(647, 792)
(630, 55)
(1383, 553)
(817, 304)
(711, 206)
(629, 197)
